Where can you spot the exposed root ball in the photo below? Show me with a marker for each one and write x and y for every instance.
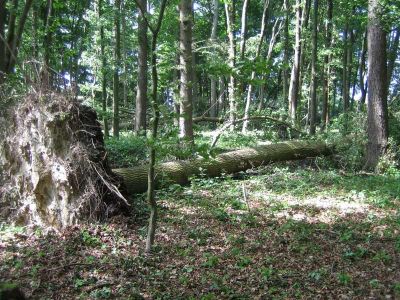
(54, 169)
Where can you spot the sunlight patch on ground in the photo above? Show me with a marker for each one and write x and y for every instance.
(317, 208)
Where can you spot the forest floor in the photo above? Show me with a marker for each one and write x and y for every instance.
(289, 232)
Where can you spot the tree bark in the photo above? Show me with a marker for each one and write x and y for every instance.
(394, 48)
(295, 74)
(180, 172)
(141, 94)
(3, 16)
(313, 100)
(117, 64)
(103, 73)
(243, 30)
(377, 96)
(363, 84)
(285, 72)
(46, 75)
(124, 55)
(345, 90)
(15, 39)
(214, 96)
(230, 17)
(186, 67)
(327, 67)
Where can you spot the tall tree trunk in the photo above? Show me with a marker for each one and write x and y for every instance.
(3, 20)
(9, 45)
(363, 85)
(313, 101)
(378, 88)
(46, 77)
(214, 103)
(327, 67)
(285, 72)
(230, 17)
(392, 55)
(243, 30)
(141, 94)
(150, 170)
(15, 38)
(117, 62)
(186, 63)
(124, 55)
(11, 33)
(350, 55)
(103, 72)
(303, 44)
(345, 90)
(221, 96)
(295, 74)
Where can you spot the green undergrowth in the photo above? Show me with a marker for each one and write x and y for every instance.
(132, 150)
(278, 232)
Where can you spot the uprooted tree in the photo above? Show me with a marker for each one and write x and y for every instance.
(54, 169)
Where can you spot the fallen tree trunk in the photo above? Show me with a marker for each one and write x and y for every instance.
(180, 172)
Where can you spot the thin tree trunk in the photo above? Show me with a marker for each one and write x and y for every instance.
(243, 30)
(16, 39)
(117, 62)
(186, 63)
(221, 96)
(303, 44)
(11, 33)
(295, 74)
(377, 96)
(214, 103)
(141, 95)
(350, 66)
(327, 67)
(363, 85)
(394, 48)
(286, 51)
(124, 55)
(150, 169)
(261, 97)
(313, 102)
(3, 20)
(258, 52)
(230, 16)
(103, 72)
(175, 91)
(46, 77)
(345, 91)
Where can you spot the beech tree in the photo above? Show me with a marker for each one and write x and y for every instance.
(10, 42)
(141, 94)
(377, 86)
(295, 75)
(186, 70)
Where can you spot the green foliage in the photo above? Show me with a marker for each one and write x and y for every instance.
(89, 240)
(348, 133)
(211, 261)
(127, 151)
(344, 278)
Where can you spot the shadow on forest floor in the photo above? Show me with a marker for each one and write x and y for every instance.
(297, 233)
